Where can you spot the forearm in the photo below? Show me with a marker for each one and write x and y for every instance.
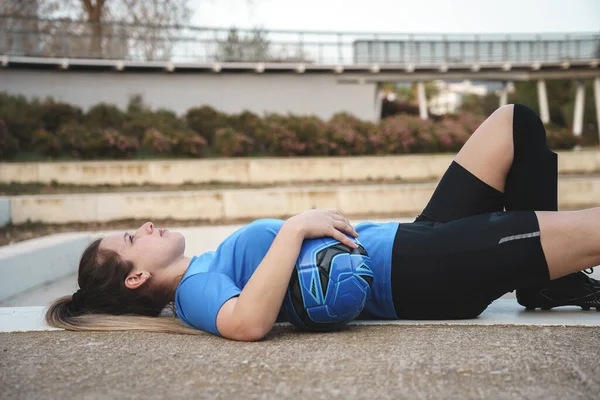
(260, 301)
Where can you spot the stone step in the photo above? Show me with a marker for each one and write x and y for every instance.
(258, 171)
(402, 199)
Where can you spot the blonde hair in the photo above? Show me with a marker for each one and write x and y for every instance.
(104, 303)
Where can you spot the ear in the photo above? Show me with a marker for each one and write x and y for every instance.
(136, 279)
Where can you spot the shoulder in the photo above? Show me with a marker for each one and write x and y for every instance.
(265, 223)
(261, 229)
(200, 296)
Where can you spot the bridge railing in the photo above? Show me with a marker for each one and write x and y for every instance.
(22, 36)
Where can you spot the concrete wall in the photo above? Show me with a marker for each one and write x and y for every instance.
(5, 215)
(35, 262)
(319, 94)
(226, 205)
(244, 171)
(259, 170)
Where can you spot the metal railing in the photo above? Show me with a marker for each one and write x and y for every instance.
(21, 36)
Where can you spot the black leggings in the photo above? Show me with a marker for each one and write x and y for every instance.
(464, 250)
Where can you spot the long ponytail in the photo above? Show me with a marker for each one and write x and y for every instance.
(59, 316)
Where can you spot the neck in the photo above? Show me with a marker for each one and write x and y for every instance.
(172, 275)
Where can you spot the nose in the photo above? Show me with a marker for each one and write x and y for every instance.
(148, 228)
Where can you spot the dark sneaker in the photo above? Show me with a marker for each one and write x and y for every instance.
(572, 290)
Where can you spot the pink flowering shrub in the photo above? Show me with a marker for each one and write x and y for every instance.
(57, 130)
(561, 138)
(188, 143)
(154, 142)
(451, 134)
(110, 143)
(76, 140)
(396, 135)
(229, 143)
(312, 132)
(470, 121)
(282, 142)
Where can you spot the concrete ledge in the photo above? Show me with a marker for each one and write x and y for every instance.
(500, 312)
(5, 216)
(416, 167)
(219, 205)
(223, 205)
(38, 261)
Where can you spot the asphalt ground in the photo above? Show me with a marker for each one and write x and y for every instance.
(360, 362)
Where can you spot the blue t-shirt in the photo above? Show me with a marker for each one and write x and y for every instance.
(216, 276)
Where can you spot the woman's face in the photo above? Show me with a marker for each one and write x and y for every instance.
(149, 248)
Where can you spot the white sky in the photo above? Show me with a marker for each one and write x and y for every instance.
(432, 16)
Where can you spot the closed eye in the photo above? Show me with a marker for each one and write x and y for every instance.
(130, 238)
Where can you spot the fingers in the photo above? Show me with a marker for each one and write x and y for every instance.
(336, 215)
(340, 229)
(340, 237)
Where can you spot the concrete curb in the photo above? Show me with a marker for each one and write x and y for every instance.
(227, 205)
(412, 167)
(5, 214)
(500, 312)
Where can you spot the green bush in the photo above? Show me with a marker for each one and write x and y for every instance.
(451, 134)
(103, 116)
(559, 138)
(349, 135)
(166, 120)
(76, 140)
(154, 142)
(278, 140)
(54, 114)
(8, 144)
(21, 117)
(46, 143)
(229, 143)
(470, 121)
(55, 129)
(136, 105)
(110, 143)
(139, 119)
(312, 131)
(346, 140)
(188, 143)
(136, 128)
(205, 121)
(396, 135)
(245, 122)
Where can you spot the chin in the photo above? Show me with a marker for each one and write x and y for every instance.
(177, 236)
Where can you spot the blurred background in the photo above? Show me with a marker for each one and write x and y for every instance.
(346, 59)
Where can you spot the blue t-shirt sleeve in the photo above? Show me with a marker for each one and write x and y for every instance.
(201, 296)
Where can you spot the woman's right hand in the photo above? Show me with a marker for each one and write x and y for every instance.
(319, 223)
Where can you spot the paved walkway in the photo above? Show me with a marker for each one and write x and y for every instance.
(361, 362)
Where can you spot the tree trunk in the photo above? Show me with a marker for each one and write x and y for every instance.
(94, 13)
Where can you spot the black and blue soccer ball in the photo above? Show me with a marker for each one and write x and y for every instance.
(329, 286)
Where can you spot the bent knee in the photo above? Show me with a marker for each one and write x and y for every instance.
(505, 113)
(529, 133)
